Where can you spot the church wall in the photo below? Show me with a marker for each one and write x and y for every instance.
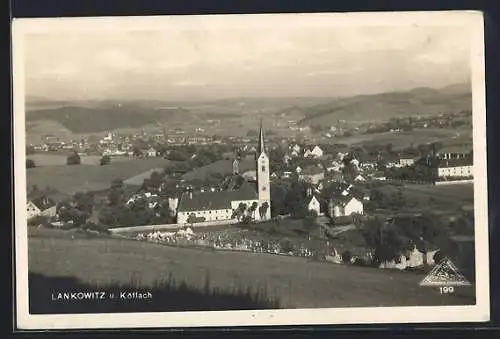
(212, 215)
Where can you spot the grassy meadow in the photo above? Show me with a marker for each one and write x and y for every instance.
(447, 136)
(442, 198)
(289, 282)
(71, 179)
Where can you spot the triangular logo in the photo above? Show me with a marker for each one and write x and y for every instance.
(445, 274)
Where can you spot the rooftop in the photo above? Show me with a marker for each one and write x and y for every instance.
(204, 201)
(447, 163)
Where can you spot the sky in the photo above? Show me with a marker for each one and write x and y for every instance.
(210, 61)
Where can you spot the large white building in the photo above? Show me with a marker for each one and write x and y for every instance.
(224, 205)
(455, 168)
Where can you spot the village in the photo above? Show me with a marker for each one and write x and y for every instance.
(329, 190)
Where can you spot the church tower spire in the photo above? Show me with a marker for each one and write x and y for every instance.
(263, 182)
(261, 147)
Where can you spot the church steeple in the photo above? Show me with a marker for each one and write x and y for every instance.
(261, 147)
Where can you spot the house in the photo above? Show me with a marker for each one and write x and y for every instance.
(222, 205)
(454, 152)
(152, 152)
(41, 206)
(315, 152)
(455, 168)
(407, 158)
(312, 175)
(379, 176)
(32, 210)
(286, 159)
(298, 170)
(359, 178)
(314, 205)
(344, 206)
(295, 149)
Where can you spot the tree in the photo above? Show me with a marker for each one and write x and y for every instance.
(116, 193)
(252, 133)
(287, 246)
(263, 209)
(73, 159)
(309, 222)
(295, 200)
(240, 211)
(389, 148)
(349, 171)
(106, 159)
(252, 209)
(192, 218)
(30, 163)
(346, 256)
(384, 239)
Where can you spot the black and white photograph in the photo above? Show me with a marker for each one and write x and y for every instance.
(250, 170)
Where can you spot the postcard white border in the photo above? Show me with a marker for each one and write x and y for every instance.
(370, 315)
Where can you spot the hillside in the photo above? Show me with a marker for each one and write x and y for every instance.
(98, 119)
(384, 106)
(295, 282)
(82, 117)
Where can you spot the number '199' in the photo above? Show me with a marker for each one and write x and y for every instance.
(446, 289)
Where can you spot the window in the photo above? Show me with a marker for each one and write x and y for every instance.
(263, 168)
(263, 188)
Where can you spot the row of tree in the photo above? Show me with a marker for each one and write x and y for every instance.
(390, 239)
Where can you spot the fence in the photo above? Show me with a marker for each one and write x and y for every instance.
(415, 182)
(454, 182)
(171, 226)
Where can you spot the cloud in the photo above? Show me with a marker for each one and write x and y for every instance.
(118, 59)
(239, 61)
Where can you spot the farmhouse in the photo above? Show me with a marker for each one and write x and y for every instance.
(460, 168)
(314, 205)
(315, 152)
(222, 205)
(40, 206)
(407, 159)
(344, 206)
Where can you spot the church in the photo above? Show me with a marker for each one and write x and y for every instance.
(224, 205)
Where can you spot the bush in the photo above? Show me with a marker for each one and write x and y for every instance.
(30, 163)
(346, 257)
(39, 220)
(106, 159)
(73, 159)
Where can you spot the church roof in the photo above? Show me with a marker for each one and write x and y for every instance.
(204, 201)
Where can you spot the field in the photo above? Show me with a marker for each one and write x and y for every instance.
(138, 179)
(447, 198)
(415, 137)
(222, 166)
(59, 159)
(71, 179)
(295, 282)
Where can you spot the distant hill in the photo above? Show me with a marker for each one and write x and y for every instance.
(419, 101)
(93, 116)
(80, 119)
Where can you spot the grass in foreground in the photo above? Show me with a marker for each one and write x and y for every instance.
(295, 282)
(165, 296)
